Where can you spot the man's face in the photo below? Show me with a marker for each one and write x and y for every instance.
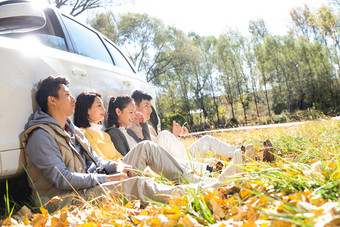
(145, 108)
(65, 103)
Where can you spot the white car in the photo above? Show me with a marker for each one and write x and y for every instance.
(36, 42)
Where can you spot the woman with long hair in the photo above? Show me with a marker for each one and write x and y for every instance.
(89, 116)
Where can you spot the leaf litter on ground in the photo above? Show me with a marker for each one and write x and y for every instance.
(301, 188)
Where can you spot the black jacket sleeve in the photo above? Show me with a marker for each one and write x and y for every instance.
(119, 140)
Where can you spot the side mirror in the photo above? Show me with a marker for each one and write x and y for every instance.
(16, 16)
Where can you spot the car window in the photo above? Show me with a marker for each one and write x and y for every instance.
(118, 57)
(48, 35)
(86, 42)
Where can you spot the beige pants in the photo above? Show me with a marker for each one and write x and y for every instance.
(146, 189)
(200, 147)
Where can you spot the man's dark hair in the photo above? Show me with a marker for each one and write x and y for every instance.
(139, 96)
(49, 87)
(83, 104)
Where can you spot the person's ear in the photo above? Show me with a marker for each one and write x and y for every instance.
(88, 114)
(51, 100)
(118, 111)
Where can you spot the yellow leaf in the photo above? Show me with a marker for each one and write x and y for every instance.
(90, 224)
(55, 199)
(331, 165)
(156, 221)
(280, 223)
(63, 218)
(7, 222)
(178, 201)
(249, 224)
(26, 221)
(189, 221)
(317, 200)
(44, 211)
(218, 213)
(55, 222)
(244, 194)
(171, 210)
(39, 220)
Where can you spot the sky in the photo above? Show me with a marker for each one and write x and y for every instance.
(213, 17)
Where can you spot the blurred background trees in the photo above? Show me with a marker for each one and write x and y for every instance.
(234, 79)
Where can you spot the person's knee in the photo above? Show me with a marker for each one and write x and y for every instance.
(163, 135)
(207, 137)
(149, 146)
(238, 153)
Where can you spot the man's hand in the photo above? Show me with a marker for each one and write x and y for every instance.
(177, 130)
(116, 177)
(124, 169)
(184, 131)
(140, 117)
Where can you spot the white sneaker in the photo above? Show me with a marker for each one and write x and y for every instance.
(231, 169)
(250, 152)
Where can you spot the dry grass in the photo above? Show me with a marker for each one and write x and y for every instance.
(301, 188)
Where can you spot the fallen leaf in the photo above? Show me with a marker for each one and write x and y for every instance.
(55, 199)
(26, 212)
(305, 207)
(9, 222)
(189, 221)
(244, 194)
(44, 211)
(39, 220)
(218, 213)
(280, 223)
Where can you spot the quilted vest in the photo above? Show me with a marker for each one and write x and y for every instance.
(42, 189)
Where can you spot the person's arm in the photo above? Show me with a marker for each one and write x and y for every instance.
(146, 131)
(119, 140)
(152, 133)
(44, 153)
(143, 123)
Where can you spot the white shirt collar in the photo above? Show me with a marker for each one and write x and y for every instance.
(95, 127)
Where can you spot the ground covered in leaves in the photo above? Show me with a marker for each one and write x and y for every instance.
(301, 188)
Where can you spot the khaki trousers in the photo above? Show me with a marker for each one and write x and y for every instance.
(146, 189)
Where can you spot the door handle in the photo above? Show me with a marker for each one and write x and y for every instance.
(79, 72)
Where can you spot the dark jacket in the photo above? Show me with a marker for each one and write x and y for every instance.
(120, 141)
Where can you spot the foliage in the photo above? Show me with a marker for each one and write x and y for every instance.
(7, 201)
(208, 80)
(79, 6)
(300, 188)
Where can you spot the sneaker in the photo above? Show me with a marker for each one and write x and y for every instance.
(268, 155)
(250, 152)
(230, 170)
(219, 166)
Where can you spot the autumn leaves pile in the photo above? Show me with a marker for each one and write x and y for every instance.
(301, 188)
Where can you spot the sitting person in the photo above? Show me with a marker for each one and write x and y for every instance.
(88, 116)
(173, 145)
(61, 162)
